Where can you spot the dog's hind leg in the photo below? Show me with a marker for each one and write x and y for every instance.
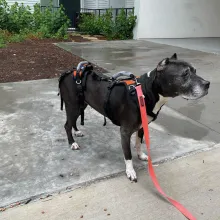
(125, 141)
(139, 139)
(68, 126)
(77, 132)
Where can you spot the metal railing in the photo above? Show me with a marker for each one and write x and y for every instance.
(99, 12)
(75, 16)
(54, 8)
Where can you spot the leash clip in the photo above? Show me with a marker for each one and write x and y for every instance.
(78, 82)
(142, 102)
(136, 82)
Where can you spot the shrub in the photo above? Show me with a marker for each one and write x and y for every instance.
(119, 28)
(124, 25)
(19, 18)
(90, 24)
(19, 22)
(4, 15)
(108, 25)
(3, 37)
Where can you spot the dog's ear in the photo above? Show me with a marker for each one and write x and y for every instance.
(174, 57)
(162, 64)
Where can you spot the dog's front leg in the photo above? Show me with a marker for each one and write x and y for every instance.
(139, 139)
(125, 141)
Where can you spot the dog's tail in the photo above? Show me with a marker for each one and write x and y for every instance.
(61, 78)
(105, 122)
(61, 101)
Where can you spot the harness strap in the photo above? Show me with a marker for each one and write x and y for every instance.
(84, 79)
(107, 107)
(154, 116)
(152, 174)
(80, 78)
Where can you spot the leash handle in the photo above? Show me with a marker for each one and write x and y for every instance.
(143, 111)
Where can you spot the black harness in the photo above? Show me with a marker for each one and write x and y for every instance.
(80, 77)
(112, 84)
(132, 91)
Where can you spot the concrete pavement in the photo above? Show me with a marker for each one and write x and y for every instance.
(141, 56)
(194, 181)
(208, 44)
(35, 157)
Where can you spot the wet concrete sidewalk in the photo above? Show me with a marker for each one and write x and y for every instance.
(141, 56)
(193, 181)
(35, 156)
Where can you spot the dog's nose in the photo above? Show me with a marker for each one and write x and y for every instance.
(207, 84)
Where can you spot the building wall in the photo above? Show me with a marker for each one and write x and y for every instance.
(103, 4)
(30, 3)
(99, 4)
(129, 3)
(91, 4)
(177, 18)
(47, 2)
(117, 3)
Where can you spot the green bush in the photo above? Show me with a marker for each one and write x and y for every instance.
(3, 38)
(4, 9)
(20, 22)
(124, 25)
(108, 25)
(119, 28)
(90, 24)
(20, 18)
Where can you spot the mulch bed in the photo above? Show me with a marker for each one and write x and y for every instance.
(36, 59)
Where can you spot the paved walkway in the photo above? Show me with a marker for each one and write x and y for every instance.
(142, 56)
(193, 180)
(35, 157)
(209, 44)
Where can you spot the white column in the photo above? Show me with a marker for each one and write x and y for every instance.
(177, 18)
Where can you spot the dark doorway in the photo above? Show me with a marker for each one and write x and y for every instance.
(72, 8)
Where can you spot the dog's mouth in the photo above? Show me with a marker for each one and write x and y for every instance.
(195, 96)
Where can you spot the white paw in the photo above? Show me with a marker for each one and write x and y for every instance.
(143, 156)
(75, 146)
(131, 174)
(78, 134)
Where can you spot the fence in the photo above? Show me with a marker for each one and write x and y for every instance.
(53, 8)
(115, 11)
(75, 16)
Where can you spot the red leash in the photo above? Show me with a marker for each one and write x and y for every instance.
(141, 101)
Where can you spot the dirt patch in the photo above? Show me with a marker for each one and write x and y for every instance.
(36, 59)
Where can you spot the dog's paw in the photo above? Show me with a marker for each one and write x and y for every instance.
(131, 174)
(143, 156)
(78, 134)
(75, 146)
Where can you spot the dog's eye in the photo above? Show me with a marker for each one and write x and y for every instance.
(193, 70)
(186, 73)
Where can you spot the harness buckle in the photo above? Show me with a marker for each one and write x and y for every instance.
(78, 82)
(136, 82)
(131, 87)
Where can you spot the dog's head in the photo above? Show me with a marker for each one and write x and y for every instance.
(179, 78)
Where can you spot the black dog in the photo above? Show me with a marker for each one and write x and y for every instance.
(171, 78)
